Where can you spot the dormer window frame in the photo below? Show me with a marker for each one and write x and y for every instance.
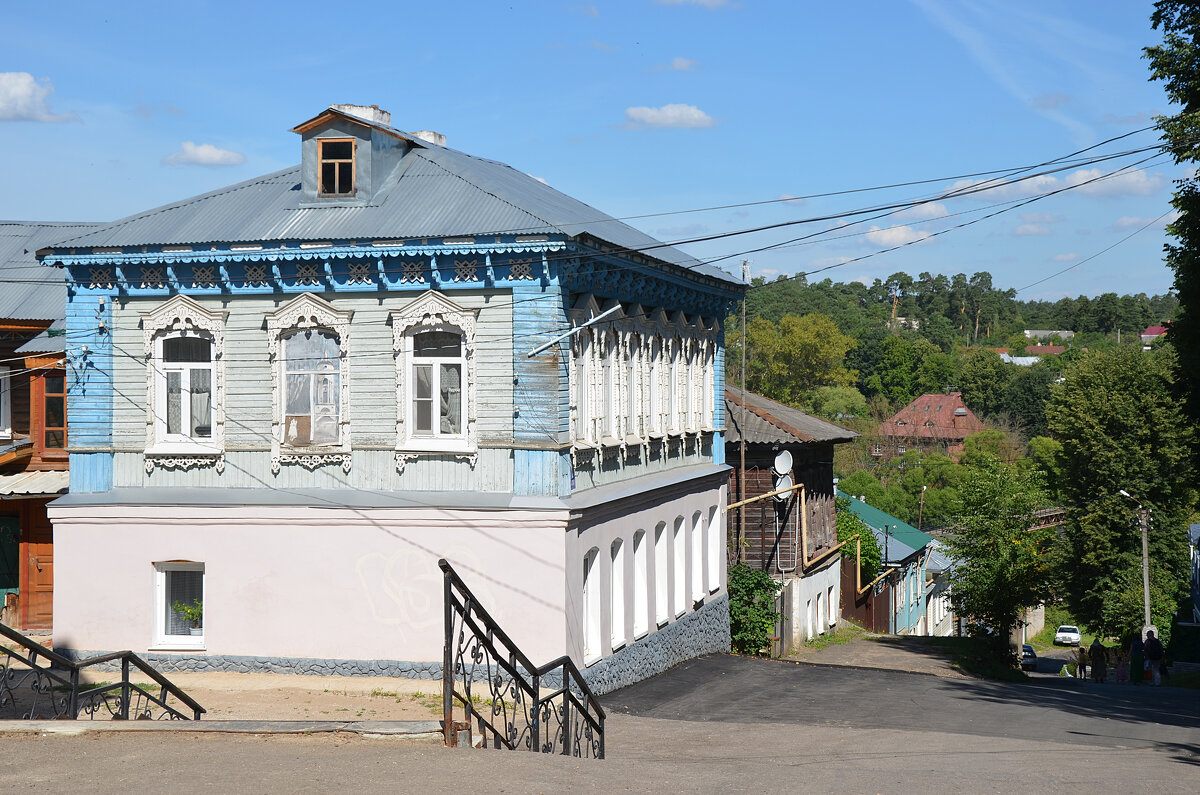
(338, 161)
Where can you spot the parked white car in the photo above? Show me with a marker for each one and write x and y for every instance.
(1067, 635)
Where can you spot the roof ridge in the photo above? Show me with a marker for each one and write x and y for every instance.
(422, 154)
(781, 425)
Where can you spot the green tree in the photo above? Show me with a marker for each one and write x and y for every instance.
(1026, 396)
(1174, 62)
(848, 526)
(1001, 566)
(984, 378)
(789, 361)
(838, 402)
(752, 612)
(1044, 453)
(1122, 428)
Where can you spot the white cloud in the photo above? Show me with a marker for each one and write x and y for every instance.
(1066, 257)
(705, 3)
(923, 212)
(1027, 230)
(674, 115)
(193, 154)
(679, 64)
(1040, 218)
(826, 262)
(895, 236)
(23, 98)
(1090, 181)
(1126, 222)
(991, 190)
(586, 9)
(789, 198)
(1050, 101)
(604, 46)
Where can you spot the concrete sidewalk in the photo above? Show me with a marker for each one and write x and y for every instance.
(910, 654)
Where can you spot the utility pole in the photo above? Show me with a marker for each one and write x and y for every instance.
(921, 511)
(742, 421)
(1144, 520)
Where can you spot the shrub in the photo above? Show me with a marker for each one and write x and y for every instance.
(752, 613)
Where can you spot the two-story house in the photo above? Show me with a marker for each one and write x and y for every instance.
(933, 422)
(295, 394)
(33, 428)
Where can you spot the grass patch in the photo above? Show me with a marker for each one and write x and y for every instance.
(844, 633)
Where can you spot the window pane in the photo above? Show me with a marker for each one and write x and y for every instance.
(345, 175)
(297, 398)
(325, 428)
(201, 408)
(337, 150)
(187, 349)
(451, 397)
(56, 439)
(186, 588)
(443, 344)
(173, 401)
(423, 398)
(297, 430)
(328, 178)
(307, 350)
(54, 411)
(54, 384)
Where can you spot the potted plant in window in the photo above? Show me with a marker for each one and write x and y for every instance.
(193, 614)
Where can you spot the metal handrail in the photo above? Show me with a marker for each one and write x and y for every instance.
(573, 707)
(90, 700)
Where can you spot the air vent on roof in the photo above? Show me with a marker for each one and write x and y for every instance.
(960, 412)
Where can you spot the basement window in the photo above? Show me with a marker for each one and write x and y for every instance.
(335, 161)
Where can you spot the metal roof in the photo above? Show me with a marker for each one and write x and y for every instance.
(768, 422)
(33, 484)
(901, 538)
(30, 290)
(434, 192)
(52, 340)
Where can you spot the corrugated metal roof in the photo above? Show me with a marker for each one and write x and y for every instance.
(910, 539)
(30, 290)
(767, 422)
(52, 340)
(33, 484)
(435, 192)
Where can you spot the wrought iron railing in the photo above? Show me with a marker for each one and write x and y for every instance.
(37, 683)
(506, 701)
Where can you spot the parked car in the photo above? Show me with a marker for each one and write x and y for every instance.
(1028, 658)
(1067, 635)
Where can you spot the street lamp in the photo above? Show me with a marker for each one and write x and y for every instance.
(1144, 521)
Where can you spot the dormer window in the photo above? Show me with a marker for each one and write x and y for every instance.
(336, 166)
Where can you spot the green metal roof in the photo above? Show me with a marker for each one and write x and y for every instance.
(876, 519)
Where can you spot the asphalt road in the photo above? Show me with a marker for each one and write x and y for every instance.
(721, 724)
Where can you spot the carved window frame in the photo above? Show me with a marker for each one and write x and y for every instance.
(308, 312)
(433, 311)
(178, 316)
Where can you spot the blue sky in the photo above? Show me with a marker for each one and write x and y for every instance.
(640, 108)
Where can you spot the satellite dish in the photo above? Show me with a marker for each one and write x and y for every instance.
(783, 482)
(783, 463)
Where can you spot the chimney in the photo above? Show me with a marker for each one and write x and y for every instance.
(371, 113)
(431, 137)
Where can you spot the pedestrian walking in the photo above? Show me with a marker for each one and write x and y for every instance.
(1096, 653)
(1081, 664)
(1137, 665)
(1122, 668)
(1154, 656)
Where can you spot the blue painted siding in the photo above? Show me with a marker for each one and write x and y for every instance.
(540, 418)
(89, 354)
(91, 472)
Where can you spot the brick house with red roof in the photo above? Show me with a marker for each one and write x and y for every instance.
(1044, 350)
(934, 423)
(1151, 334)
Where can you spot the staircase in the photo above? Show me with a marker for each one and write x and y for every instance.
(503, 699)
(37, 683)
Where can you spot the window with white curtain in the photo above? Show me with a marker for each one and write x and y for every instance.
(634, 378)
(616, 613)
(311, 388)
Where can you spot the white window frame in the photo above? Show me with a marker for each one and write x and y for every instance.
(616, 591)
(634, 415)
(433, 311)
(307, 312)
(641, 585)
(163, 370)
(590, 613)
(182, 316)
(697, 556)
(830, 601)
(5, 405)
(177, 642)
